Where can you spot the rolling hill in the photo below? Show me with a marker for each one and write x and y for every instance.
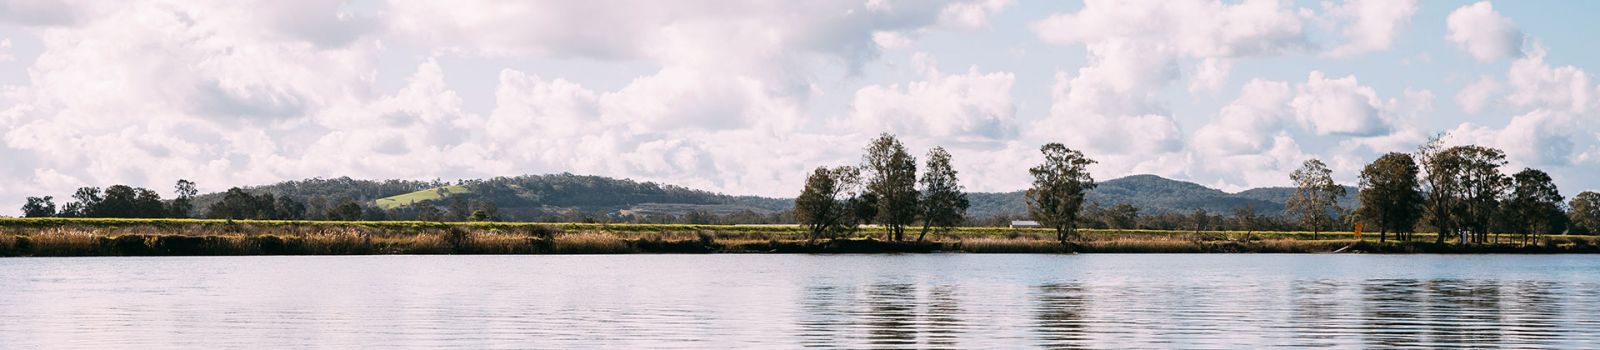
(1155, 195)
(419, 196)
(531, 197)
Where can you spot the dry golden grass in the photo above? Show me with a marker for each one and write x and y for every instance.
(590, 243)
(211, 238)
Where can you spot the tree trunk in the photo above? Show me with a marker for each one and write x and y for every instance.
(924, 231)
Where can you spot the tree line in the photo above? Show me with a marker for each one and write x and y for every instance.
(1460, 192)
(885, 190)
(122, 201)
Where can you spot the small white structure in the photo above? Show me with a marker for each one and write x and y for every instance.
(1025, 224)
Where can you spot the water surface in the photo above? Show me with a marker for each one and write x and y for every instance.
(846, 301)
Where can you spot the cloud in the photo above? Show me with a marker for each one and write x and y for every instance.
(41, 12)
(1339, 106)
(1249, 124)
(1478, 95)
(1535, 84)
(1556, 126)
(891, 40)
(1536, 139)
(970, 15)
(1375, 24)
(1111, 107)
(963, 108)
(1483, 33)
(1210, 74)
(751, 37)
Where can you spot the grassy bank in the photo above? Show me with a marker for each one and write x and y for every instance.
(161, 237)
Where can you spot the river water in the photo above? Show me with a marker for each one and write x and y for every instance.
(846, 301)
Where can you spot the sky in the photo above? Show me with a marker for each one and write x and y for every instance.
(745, 97)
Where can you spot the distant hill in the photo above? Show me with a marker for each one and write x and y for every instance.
(320, 190)
(526, 197)
(1155, 195)
(530, 196)
(424, 195)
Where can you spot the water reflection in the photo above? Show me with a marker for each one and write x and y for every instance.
(891, 314)
(944, 323)
(1316, 313)
(1060, 314)
(822, 316)
(930, 301)
(1391, 315)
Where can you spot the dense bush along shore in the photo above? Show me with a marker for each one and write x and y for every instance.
(178, 237)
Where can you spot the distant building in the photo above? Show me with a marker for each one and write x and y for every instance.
(1025, 224)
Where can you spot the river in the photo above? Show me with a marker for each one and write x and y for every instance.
(845, 301)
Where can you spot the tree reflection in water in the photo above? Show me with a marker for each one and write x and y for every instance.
(1060, 314)
(891, 314)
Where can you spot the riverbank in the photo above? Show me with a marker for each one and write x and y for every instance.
(183, 237)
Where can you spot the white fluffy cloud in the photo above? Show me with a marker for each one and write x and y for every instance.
(736, 97)
(1535, 84)
(1558, 128)
(1111, 107)
(1374, 24)
(145, 93)
(1340, 106)
(1250, 124)
(1478, 95)
(1483, 33)
(972, 107)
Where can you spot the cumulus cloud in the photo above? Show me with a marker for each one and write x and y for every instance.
(1539, 138)
(1483, 33)
(148, 92)
(1478, 95)
(1339, 106)
(41, 13)
(1374, 24)
(971, 15)
(1555, 128)
(972, 107)
(1111, 107)
(1250, 124)
(1535, 84)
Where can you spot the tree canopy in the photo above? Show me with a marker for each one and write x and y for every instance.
(1390, 195)
(1316, 196)
(1059, 184)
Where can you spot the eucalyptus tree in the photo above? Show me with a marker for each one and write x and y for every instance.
(891, 176)
(943, 203)
(1316, 196)
(1390, 195)
(823, 207)
(1440, 187)
(1584, 212)
(183, 205)
(1534, 205)
(1476, 174)
(38, 207)
(1059, 185)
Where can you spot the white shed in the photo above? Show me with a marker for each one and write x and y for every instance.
(1025, 224)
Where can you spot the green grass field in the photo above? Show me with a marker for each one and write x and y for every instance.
(398, 201)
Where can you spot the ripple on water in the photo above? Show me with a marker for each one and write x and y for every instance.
(843, 301)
